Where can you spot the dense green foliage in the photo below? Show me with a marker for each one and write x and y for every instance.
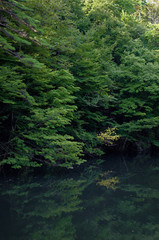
(69, 71)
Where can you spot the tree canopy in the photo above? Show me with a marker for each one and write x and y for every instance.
(71, 70)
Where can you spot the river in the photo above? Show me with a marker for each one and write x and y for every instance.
(116, 198)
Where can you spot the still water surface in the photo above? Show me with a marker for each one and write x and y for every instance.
(113, 200)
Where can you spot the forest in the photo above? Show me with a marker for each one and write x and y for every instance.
(78, 78)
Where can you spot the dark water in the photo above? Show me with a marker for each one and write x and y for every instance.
(116, 200)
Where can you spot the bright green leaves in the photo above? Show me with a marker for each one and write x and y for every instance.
(42, 107)
(18, 32)
(152, 36)
(38, 102)
(109, 136)
(11, 85)
(137, 95)
(93, 96)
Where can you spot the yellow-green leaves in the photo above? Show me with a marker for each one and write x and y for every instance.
(109, 136)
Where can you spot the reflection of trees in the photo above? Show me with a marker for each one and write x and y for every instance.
(40, 208)
(79, 208)
(129, 213)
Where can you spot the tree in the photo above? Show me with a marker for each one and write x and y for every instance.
(37, 103)
(18, 31)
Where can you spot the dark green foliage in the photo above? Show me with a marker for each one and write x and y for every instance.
(18, 32)
(136, 110)
(70, 70)
(37, 103)
(40, 109)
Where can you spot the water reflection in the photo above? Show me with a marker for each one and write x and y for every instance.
(98, 203)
